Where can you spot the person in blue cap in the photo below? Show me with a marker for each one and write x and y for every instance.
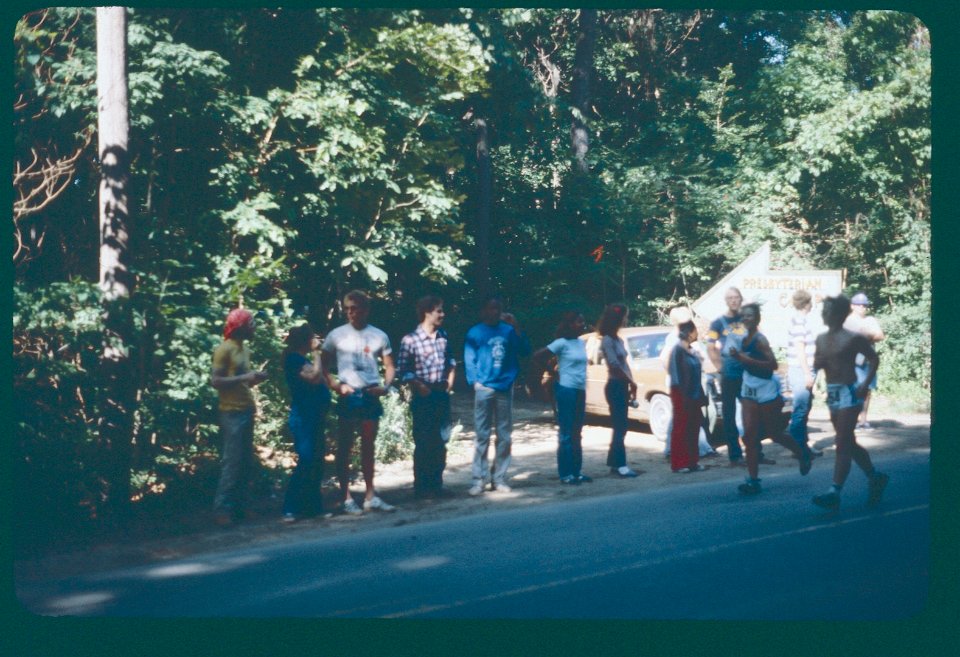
(859, 322)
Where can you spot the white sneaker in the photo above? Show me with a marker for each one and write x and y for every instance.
(476, 489)
(502, 488)
(376, 504)
(350, 507)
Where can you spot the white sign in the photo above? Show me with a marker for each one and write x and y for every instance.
(772, 290)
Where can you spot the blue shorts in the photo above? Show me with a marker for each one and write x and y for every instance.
(841, 396)
(359, 406)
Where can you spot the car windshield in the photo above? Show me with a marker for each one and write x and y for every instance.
(642, 347)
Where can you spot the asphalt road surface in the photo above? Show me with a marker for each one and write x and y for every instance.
(699, 551)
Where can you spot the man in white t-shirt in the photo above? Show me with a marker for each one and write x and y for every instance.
(859, 322)
(804, 328)
(353, 351)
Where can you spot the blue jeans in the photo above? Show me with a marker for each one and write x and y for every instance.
(729, 392)
(236, 431)
(616, 393)
(306, 427)
(429, 414)
(491, 406)
(571, 408)
(303, 490)
(861, 371)
(802, 402)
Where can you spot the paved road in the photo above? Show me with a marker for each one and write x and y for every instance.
(691, 552)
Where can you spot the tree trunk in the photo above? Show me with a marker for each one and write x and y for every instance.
(484, 206)
(116, 283)
(580, 87)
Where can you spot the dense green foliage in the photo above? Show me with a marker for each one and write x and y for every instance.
(283, 157)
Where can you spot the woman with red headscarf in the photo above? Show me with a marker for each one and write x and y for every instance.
(234, 379)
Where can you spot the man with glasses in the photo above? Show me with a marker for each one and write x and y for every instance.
(354, 351)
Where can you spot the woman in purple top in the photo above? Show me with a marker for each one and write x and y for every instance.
(620, 389)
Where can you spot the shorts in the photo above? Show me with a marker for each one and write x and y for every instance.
(841, 396)
(759, 390)
(359, 406)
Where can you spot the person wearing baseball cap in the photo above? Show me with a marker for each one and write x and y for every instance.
(859, 322)
(234, 379)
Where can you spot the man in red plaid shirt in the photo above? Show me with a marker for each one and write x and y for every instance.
(426, 364)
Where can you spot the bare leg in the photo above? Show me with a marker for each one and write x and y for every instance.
(368, 434)
(751, 436)
(844, 423)
(866, 406)
(344, 447)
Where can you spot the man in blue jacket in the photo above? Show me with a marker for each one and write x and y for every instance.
(491, 362)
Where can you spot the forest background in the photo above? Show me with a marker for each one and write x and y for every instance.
(564, 158)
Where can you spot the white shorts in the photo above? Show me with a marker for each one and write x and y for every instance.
(759, 390)
(842, 395)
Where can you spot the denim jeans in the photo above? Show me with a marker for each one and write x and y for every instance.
(616, 393)
(802, 402)
(571, 408)
(491, 406)
(429, 414)
(236, 462)
(303, 490)
(729, 392)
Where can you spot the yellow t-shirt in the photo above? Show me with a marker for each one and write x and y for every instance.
(232, 358)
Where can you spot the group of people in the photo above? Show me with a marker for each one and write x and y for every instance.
(356, 362)
(742, 355)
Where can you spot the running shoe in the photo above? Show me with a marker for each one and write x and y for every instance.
(351, 508)
(806, 460)
(877, 483)
(376, 504)
(749, 487)
(829, 501)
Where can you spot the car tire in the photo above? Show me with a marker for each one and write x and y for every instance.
(661, 412)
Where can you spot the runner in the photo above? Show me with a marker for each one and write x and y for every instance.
(836, 356)
(761, 400)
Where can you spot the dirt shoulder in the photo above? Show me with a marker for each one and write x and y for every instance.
(532, 476)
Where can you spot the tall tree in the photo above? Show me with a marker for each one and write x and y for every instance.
(484, 205)
(116, 282)
(580, 90)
